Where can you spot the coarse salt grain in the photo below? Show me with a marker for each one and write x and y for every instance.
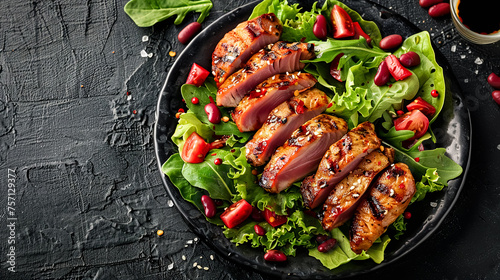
(189, 242)
(145, 38)
(433, 204)
(144, 53)
(170, 266)
(150, 55)
(170, 203)
(454, 48)
(196, 239)
(478, 61)
(462, 56)
(498, 147)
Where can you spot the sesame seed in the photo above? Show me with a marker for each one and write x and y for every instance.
(195, 264)
(183, 257)
(199, 266)
(206, 268)
(212, 257)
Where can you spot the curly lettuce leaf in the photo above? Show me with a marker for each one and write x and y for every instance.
(146, 13)
(299, 230)
(365, 101)
(281, 9)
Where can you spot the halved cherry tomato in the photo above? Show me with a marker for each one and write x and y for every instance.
(197, 75)
(195, 149)
(274, 219)
(422, 106)
(358, 31)
(342, 23)
(414, 121)
(236, 213)
(398, 71)
(334, 68)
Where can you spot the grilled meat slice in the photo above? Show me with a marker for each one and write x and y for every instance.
(387, 199)
(345, 197)
(302, 152)
(282, 57)
(254, 108)
(282, 122)
(341, 158)
(243, 41)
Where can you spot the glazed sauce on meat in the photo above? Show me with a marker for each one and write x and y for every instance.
(480, 16)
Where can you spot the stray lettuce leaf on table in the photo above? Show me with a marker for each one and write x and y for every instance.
(148, 12)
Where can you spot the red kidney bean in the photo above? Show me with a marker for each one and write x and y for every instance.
(383, 75)
(208, 206)
(259, 230)
(188, 32)
(321, 238)
(409, 59)
(213, 113)
(257, 215)
(496, 96)
(275, 256)
(319, 28)
(439, 10)
(391, 42)
(327, 245)
(428, 3)
(494, 80)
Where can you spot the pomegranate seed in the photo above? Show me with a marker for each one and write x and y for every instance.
(259, 230)
(218, 161)
(407, 215)
(195, 100)
(181, 110)
(434, 93)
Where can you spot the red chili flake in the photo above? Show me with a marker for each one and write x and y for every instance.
(181, 110)
(233, 150)
(434, 93)
(255, 172)
(417, 159)
(183, 100)
(128, 93)
(390, 85)
(402, 186)
(329, 105)
(300, 109)
(211, 99)
(400, 112)
(214, 154)
(134, 112)
(379, 163)
(218, 161)
(195, 100)
(407, 215)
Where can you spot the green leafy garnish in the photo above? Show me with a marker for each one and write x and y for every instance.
(148, 12)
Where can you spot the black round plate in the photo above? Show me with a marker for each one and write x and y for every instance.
(453, 128)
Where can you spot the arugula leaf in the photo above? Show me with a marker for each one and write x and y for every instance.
(148, 12)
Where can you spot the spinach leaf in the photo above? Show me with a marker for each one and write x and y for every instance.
(210, 177)
(148, 12)
(203, 94)
(173, 169)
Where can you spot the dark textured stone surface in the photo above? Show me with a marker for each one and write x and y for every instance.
(89, 197)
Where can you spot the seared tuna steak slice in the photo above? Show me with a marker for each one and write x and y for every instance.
(340, 159)
(302, 152)
(387, 199)
(253, 110)
(282, 122)
(281, 58)
(346, 195)
(242, 42)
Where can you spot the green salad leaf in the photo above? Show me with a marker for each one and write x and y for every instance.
(146, 13)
